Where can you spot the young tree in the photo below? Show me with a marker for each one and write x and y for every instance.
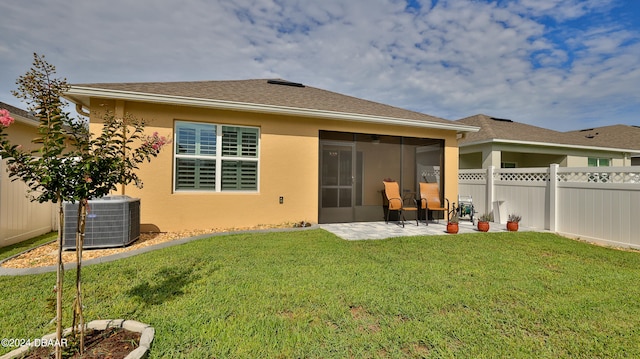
(71, 164)
(43, 170)
(105, 161)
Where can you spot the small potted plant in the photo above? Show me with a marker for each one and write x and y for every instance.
(483, 222)
(452, 223)
(512, 222)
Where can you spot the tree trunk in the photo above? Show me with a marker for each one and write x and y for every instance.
(78, 316)
(124, 152)
(59, 280)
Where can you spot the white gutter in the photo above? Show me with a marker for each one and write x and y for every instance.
(262, 108)
(547, 144)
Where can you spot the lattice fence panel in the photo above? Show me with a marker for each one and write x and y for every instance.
(472, 176)
(535, 177)
(599, 177)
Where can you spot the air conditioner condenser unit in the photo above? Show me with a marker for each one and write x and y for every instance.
(112, 221)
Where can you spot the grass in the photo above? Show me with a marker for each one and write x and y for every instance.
(8, 251)
(310, 294)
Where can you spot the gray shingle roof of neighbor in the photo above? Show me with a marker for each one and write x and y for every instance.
(495, 129)
(274, 92)
(17, 111)
(21, 115)
(623, 136)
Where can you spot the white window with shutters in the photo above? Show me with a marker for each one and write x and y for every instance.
(215, 158)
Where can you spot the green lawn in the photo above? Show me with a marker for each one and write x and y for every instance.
(8, 251)
(311, 294)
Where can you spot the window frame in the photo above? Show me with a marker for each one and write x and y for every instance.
(218, 157)
(598, 161)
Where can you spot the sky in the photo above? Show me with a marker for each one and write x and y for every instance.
(559, 64)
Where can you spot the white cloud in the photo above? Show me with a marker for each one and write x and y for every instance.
(449, 58)
(560, 10)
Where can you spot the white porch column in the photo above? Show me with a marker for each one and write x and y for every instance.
(491, 158)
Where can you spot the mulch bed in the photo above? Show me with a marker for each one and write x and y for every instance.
(112, 343)
(47, 254)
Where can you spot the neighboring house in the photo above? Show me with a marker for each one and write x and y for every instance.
(504, 143)
(252, 152)
(622, 136)
(20, 218)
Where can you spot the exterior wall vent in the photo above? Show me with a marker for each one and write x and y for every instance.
(112, 221)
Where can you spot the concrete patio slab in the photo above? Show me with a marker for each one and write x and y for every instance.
(382, 230)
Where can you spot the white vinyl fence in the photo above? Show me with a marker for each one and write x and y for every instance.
(599, 204)
(21, 219)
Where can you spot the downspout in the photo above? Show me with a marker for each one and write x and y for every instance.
(81, 111)
(401, 166)
(119, 112)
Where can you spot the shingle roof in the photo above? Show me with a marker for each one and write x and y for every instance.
(622, 136)
(494, 129)
(260, 91)
(17, 111)
(20, 115)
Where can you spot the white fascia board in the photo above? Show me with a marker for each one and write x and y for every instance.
(547, 144)
(251, 107)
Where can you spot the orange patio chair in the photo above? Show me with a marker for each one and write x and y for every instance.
(396, 202)
(430, 200)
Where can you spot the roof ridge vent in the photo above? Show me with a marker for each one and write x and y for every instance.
(285, 83)
(501, 119)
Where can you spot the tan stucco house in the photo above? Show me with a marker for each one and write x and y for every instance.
(504, 143)
(620, 136)
(252, 152)
(20, 218)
